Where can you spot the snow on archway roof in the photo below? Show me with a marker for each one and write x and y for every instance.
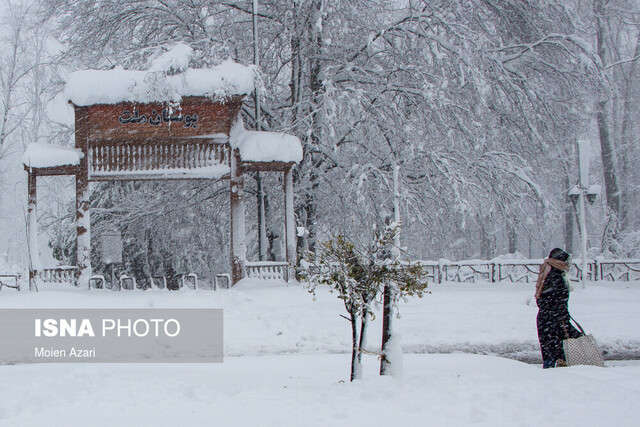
(42, 155)
(261, 146)
(90, 87)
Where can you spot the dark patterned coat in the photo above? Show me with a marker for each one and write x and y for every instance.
(553, 317)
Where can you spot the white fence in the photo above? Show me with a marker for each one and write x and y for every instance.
(525, 271)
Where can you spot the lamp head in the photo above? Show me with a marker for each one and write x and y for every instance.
(592, 192)
(574, 193)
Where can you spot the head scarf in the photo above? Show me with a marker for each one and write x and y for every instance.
(545, 268)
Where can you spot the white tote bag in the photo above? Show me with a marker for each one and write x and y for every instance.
(582, 350)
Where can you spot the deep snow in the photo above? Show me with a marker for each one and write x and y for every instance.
(91, 87)
(287, 362)
(262, 146)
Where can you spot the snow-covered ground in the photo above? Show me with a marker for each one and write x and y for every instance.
(287, 363)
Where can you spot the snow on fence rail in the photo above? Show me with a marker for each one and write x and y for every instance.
(525, 271)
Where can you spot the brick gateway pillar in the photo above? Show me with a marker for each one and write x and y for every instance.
(83, 212)
(236, 202)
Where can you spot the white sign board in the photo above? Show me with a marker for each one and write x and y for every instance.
(111, 248)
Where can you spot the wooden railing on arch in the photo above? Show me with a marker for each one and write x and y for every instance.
(148, 157)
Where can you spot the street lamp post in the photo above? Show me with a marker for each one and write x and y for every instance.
(577, 195)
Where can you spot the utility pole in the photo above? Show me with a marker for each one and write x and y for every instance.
(578, 194)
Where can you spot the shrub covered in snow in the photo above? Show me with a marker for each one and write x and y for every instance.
(358, 276)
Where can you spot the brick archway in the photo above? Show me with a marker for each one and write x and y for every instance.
(161, 141)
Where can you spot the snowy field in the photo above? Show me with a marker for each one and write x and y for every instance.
(287, 364)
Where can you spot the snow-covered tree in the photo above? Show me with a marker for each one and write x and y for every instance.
(357, 274)
(617, 44)
(477, 106)
(25, 76)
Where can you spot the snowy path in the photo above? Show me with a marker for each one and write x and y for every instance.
(484, 318)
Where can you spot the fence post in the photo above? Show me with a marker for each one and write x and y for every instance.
(493, 272)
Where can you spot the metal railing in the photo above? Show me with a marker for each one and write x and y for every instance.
(617, 270)
(10, 280)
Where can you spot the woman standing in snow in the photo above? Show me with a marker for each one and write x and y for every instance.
(552, 297)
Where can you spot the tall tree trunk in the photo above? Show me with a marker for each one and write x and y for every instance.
(303, 242)
(262, 221)
(512, 236)
(294, 86)
(390, 288)
(356, 372)
(296, 69)
(311, 214)
(486, 244)
(626, 135)
(364, 322)
(316, 85)
(263, 241)
(386, 327)
(607, 148)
